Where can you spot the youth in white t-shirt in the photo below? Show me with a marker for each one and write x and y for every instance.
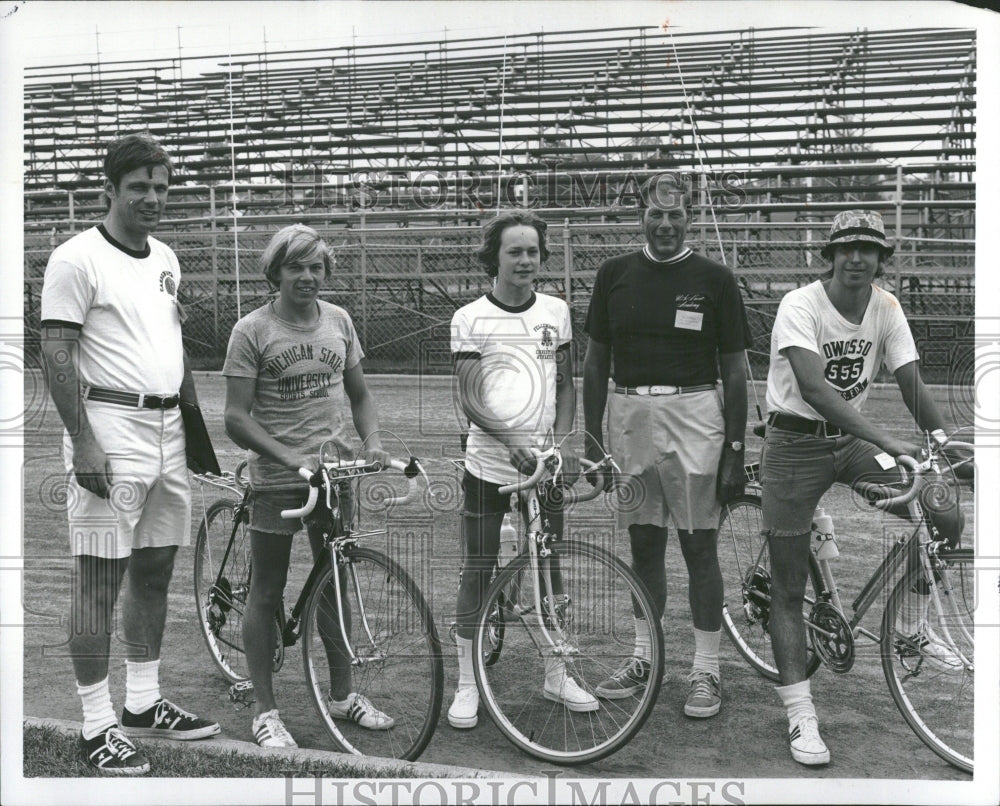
(516, 348)
(852, 354)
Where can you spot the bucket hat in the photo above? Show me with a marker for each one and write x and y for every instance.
(857, 225)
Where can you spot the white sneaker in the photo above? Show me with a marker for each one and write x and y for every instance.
(567, 691)
(931, 648)
(270, 731)
(358, 708)
(464, 710)
(806, 744)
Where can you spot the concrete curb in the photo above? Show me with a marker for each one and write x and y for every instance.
(221, 744)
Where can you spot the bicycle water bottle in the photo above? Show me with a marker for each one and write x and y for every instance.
(823, 540)
(508, 542)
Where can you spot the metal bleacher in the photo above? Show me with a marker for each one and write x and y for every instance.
(396, 152)
(607, 101)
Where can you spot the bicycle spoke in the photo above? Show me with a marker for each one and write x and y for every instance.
(220, 593)
(928, 656)
(542, 692)
(392, 657)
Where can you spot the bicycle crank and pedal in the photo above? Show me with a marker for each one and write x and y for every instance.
(832, 637)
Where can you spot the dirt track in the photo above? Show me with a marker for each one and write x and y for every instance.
(867, 736)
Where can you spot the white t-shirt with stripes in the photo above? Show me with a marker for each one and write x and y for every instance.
(126, 305)
(517, 350)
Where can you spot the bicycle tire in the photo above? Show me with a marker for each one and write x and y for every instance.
(220, 611)
(746, 573)
(403, 676)
(598, 622)
(932, 684)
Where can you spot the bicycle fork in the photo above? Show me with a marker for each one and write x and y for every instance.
(545, 608)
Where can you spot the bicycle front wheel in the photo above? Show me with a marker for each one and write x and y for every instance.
(221, 586)
(927, 654)
(397, 665)
(595, 638)
(746, 572)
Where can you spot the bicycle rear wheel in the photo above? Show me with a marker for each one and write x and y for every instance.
(746, 573)
(596, 617)
(398, 667)
(930, 670)
(221, 598)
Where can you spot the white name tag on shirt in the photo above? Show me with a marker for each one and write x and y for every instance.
(885, 461)
(689, 320)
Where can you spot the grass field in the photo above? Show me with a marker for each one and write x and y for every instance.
(866, 734)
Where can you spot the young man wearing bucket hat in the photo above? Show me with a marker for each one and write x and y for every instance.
(830, 339)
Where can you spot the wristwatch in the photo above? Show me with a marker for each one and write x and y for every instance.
(736, 446)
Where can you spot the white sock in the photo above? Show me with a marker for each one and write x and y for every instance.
(706, 651)
(555, 671)
(643, 639)
(798, 701)
(142, 685)
(466, 676)
(913, 612)
(98, 713)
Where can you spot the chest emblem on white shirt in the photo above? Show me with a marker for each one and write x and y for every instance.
(547, 343)
(845, 366)
(167, 283)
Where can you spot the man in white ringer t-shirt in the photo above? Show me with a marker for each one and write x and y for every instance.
(116, 369)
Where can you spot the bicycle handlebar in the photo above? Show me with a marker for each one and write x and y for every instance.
(328, 473)
(917, 469)
(540, 469)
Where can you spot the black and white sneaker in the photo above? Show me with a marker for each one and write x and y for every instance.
(111, 753)
(166, 721)
(806, 744)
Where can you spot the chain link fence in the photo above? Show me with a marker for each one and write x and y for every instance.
(402, 285)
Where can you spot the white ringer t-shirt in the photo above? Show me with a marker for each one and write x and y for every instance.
(125, 303)
(517, 348)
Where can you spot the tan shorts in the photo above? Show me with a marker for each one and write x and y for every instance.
(668, 448)
(150, 501)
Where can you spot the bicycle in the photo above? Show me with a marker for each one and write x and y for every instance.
(571, 601)
(385, 625)
(929, 670)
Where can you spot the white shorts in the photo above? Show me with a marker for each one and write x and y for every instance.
(668, 448)
(150, 500)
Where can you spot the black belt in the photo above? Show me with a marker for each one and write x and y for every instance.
(134, 400)
(662, 389)
(802, 425)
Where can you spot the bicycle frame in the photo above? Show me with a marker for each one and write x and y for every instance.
(335, 546)
(537, 540)
(902, 550)
(912, 550)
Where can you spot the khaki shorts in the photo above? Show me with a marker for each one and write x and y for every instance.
(150, 501)
(668, 448)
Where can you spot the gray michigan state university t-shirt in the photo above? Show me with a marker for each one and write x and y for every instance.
(299, 398)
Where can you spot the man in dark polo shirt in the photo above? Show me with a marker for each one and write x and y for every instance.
(674, 323)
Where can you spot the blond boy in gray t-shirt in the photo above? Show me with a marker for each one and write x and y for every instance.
(287, 367)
